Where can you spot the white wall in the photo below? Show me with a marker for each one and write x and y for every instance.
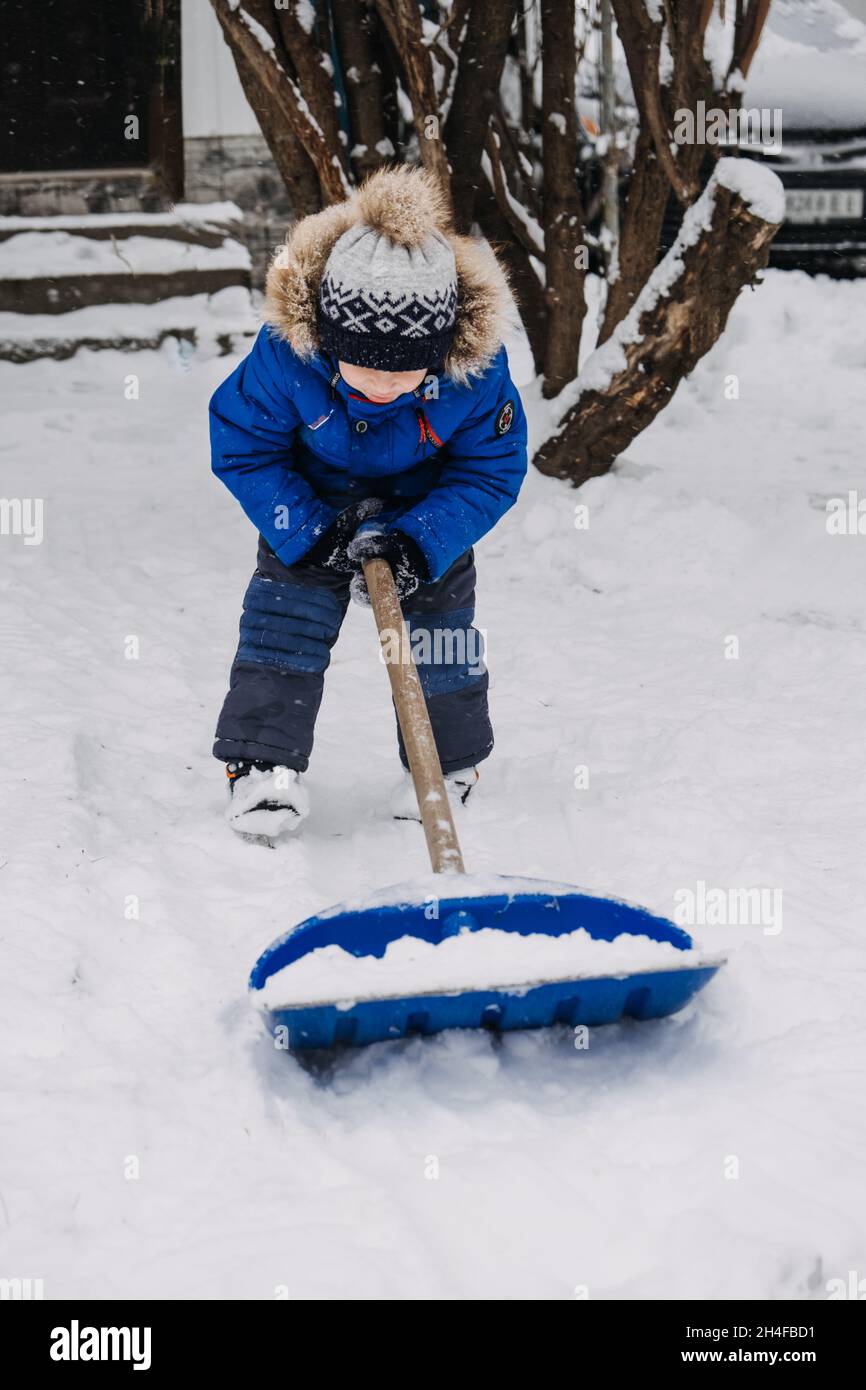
(213, 99)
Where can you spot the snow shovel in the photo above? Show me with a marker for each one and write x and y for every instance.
(457, 951)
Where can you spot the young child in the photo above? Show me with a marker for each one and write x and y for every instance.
(375, 415)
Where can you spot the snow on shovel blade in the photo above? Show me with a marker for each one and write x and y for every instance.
(497, 952)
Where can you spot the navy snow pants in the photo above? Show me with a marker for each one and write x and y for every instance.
(291, 619)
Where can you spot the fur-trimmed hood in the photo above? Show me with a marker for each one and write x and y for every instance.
(404, 203)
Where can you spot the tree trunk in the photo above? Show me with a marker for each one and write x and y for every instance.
(355, 25)
(476, 95)
(563, 215)
(525, 284)
(634, 376)
(293, 164)
(277, 89)
(656, 171)
(402, 19)
(648, 193)
(314, 82)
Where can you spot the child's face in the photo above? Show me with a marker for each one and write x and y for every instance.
(380, 387)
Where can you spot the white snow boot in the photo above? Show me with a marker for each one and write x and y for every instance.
(264, 800)
(459, 786)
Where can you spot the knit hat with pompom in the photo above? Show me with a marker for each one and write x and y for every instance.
(388, 295)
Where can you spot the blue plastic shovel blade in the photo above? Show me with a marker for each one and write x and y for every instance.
(519, 905)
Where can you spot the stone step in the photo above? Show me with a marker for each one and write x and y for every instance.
(219, 323)
(202, 224)
(58, 265)
(81, 191)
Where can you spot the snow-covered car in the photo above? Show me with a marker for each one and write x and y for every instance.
(810, 74)
(803, 113)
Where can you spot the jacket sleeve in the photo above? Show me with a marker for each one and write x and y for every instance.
(483, 468)
(253, 421)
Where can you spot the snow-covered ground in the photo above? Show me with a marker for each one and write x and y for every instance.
(698, 650)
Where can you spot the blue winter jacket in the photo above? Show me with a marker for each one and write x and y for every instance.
(295, 445)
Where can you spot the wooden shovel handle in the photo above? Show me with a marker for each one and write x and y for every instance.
(433, 803)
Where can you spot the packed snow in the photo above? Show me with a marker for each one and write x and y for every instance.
(758, 186)
(58, 252)
(810, 64)
(204, 216)
(677, 660)
(484, 959)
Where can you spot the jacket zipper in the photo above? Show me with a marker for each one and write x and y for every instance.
(426, 431)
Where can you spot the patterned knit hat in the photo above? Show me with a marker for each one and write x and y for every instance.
(388, 306)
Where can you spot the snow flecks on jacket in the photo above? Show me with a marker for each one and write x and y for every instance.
(295, 446)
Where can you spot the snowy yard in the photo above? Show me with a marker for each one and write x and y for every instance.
(154, 1144)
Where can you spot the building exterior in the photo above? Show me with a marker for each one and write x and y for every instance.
(130, 108)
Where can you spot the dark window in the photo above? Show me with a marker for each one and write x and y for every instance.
(71, 71)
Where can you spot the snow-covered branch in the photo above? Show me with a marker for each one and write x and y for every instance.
(257, 48)
(681, 311)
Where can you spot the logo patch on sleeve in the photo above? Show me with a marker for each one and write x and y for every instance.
(505, 418)
(317, 423)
